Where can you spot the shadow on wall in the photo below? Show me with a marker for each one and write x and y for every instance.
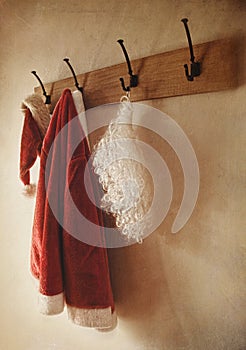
(142, 295)
(140, 286)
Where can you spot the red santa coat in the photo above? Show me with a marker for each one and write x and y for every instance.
(69, 271)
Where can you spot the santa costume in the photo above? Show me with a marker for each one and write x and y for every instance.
(69, 271)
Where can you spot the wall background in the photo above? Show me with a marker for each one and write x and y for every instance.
(184, 291)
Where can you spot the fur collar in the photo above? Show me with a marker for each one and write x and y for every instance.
(38, 110)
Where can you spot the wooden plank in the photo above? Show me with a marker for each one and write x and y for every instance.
(160, 75)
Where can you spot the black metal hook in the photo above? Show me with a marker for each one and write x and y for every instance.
(74, 75)
(133, 78)
(47, 97)
(195, 67)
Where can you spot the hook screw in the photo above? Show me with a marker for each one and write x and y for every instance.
(133, 77)
(74, 75)
(47, 97)
(195, 67)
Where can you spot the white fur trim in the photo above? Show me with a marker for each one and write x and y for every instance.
(80, 108)
(38, 110)
(29, 190)
(51, 305)
(102, 319)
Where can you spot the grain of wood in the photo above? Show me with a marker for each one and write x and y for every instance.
(160, 76)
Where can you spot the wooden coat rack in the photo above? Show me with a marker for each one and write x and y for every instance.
(161, 75)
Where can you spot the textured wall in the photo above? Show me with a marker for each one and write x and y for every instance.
(184, 291)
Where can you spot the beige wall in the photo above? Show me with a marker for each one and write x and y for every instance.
(184, 291)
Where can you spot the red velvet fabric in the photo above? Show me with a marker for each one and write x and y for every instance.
(31, 143)
(61, 262)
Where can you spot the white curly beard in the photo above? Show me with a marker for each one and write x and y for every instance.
(117, 162)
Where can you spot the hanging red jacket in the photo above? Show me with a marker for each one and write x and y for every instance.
(69, 271)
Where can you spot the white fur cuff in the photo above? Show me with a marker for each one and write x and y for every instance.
(51, 305)
(101, 319)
